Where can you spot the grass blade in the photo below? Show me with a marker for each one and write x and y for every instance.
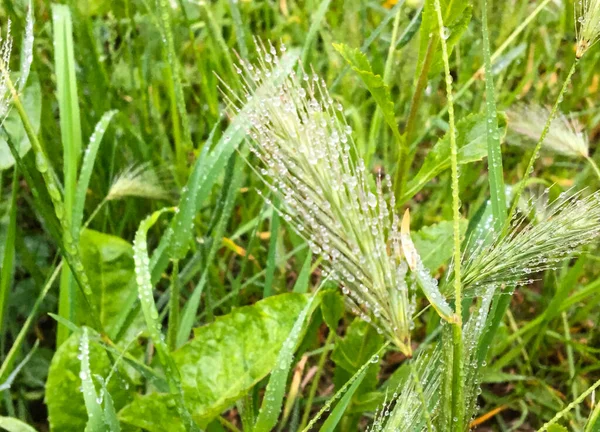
(8, 260)
(14, 425)
(231, 187)
(303, 280)
(86, 169)
(336, 415)
(270, 270)
(70, 129)
(273, 400)
(495, 172)
(315, 23)
(94, 409)
(150, 312)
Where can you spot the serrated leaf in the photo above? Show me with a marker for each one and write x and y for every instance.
(472, 147)
(374, 83)
(221, 363)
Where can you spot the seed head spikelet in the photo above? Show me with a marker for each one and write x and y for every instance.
(5, 89)
(587, 27)
(310, 161)
(565, 135)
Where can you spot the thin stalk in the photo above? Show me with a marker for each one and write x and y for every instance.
(69, 247)
(315, 382)
(593, 165)
(538, 146)
(480, 71)
(412, 116)
(9, 361)
(570, 361)
(174, 308)
(376, 124)
(458, 406)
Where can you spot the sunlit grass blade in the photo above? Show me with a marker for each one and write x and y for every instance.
(150, 312)
(495, 171)
(273, 399)
(87, 167)
(336, 415)
(8, 260)
(94, 409)
(233, 178)
(70, 128)
(11, 424)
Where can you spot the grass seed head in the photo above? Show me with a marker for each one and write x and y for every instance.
(587, 27)
(5, 52)
(310, 161)
(138, 181)
(565, 137)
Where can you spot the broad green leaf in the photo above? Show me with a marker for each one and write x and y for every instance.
(10, 424)
(222, 362)
(32, 102)
(374, 83)
(434, 243)
(354, 350)
(66, 408)
(108, 262)
(332, 308)
(472, 147)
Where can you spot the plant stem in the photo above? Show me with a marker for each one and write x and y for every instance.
(458, 406)
(412, 117)
(594, 166)
(174, 307)
(315, 381)
(538, 146)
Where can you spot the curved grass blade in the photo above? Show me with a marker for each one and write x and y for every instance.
(315, 23)
(233, 179)
(11, 424)
(273, 400)
(150, 312)
(94, 409)
(86, 168)
(303, 280)
(11, 378)
(270, 270)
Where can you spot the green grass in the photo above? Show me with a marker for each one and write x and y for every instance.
(220, 316)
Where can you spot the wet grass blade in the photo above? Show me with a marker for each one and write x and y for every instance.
(303, 280)
(315, 24)
(336, 415)
(94, 409)
(495, 172)
(150, 312)
(70, 130)
(273, 400)
(233, 178)
(87, 167)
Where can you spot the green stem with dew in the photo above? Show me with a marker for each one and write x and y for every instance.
(458, 406)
